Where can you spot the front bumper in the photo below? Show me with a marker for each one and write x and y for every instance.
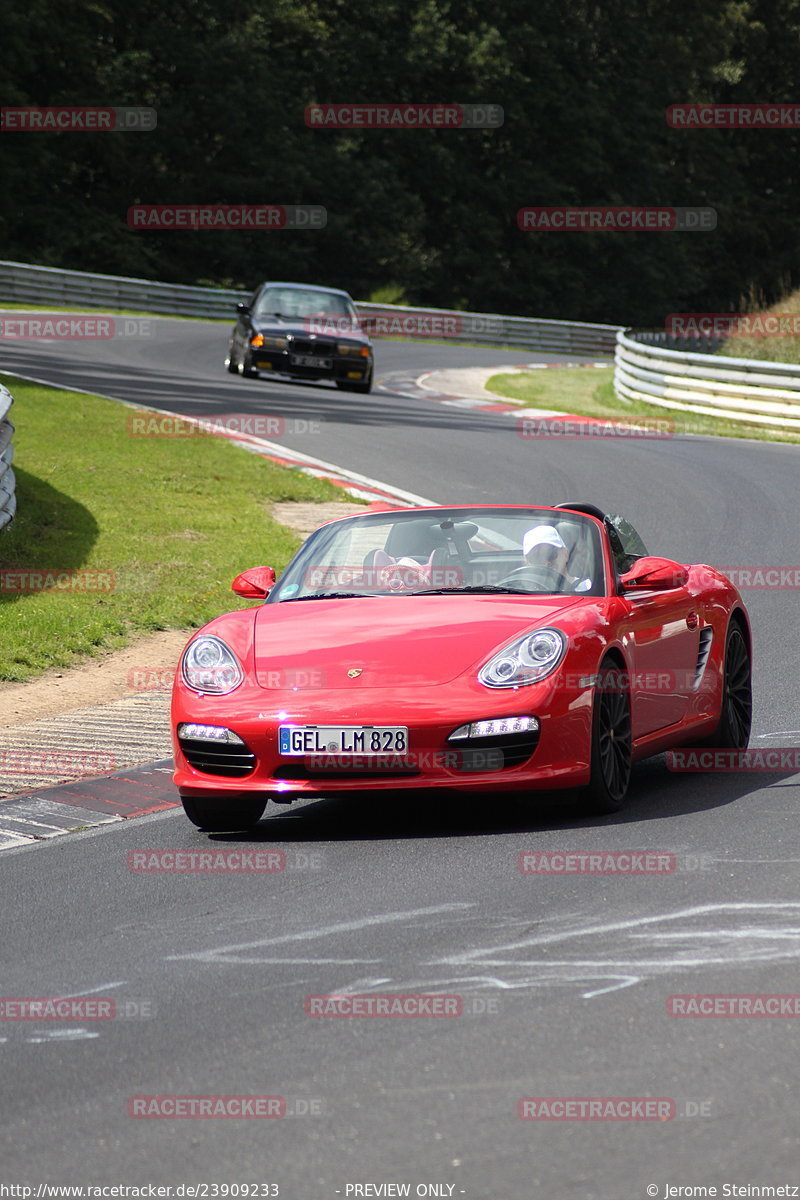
(557, 756)
(345, 368)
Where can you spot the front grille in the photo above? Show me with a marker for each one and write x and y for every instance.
(311, 346)
(510, 749)
(218, 758)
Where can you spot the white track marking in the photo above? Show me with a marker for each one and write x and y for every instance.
(228, 953)
(249, 441)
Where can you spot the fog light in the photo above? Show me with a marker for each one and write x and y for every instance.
(355, 374)
(208, 733)
(495, 727)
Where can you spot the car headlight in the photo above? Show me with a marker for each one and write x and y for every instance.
(350, 348)
(209, 666)
(526, 660)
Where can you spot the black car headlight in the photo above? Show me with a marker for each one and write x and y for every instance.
(526, 660)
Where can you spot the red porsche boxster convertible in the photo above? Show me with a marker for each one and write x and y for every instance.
(474, 648)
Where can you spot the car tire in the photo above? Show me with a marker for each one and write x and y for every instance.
(223, 814)
(733, 731)
(245, 368)
(611, 756)
(231, 364)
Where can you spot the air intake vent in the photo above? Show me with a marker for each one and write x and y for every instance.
(703, 651)
(510, 749)
(218, 758)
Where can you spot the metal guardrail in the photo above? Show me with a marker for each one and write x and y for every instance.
(24, 284)
(740, 389)
(8, 499)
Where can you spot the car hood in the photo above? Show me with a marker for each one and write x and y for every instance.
(393, 641)
(312, 328)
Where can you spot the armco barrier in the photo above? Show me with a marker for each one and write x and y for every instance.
(739, 389)
(24, 284)
(8, 499)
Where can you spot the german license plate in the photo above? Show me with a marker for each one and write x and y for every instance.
(342, 739)
(310, 360)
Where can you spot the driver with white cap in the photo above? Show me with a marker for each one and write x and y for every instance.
(543, 546)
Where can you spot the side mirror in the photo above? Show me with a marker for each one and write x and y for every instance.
(254, 584)
(243, 308)
(654, 574)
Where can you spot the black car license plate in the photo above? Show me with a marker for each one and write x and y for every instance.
(310, 360)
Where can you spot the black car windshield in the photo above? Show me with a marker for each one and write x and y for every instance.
(304, 304)
(527, 551)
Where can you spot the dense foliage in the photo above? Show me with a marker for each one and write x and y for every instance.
(429, 215)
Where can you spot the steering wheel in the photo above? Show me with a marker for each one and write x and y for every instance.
(541, 578)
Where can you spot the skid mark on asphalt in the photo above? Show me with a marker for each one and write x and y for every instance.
(233, 953)
(597, 957)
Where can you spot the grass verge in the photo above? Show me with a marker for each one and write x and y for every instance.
(589, 391)
(160, 526)
(783, 348)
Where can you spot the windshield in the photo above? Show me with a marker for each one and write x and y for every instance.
(516, 551)
(304, 303)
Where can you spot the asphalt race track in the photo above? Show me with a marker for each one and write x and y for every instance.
(563, 980)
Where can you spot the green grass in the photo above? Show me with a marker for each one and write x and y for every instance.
(768, 349)
(172, 519)
(589, 391)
